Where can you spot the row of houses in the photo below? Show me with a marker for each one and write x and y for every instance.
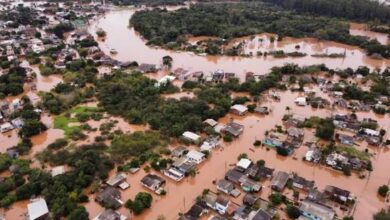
(252, 208)
(6, 109)
(316, 205)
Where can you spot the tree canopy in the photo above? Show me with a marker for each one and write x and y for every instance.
(227, 20)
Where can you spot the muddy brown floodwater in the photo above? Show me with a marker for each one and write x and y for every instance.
(131, 46)
(363, 30)
(180, 196)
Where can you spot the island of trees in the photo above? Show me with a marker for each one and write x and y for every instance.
(226, 21)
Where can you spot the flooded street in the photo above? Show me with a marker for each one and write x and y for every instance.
(131, 47)
(180, 196)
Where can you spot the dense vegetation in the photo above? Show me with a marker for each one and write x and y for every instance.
(148, 2)
(226, 21)
(382, 215)
(136, 98)
(142, 201)
(12, 83)
(23, 16)
(362, 10)
(61, 192)
(135, 144)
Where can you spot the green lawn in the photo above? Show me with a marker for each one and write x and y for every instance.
(362, 155)
(62, 121)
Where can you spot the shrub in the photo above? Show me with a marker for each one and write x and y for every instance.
(383, 190)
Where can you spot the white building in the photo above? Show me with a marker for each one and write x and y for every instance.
(163, 81)
(191, 136)
(174, 174)
(37, 209)
(239, 109)
(244, 163)
(6, 127)
(301, 101)
(196, 156)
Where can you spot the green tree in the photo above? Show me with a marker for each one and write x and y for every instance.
(80, 213)
(382, 215)
(383, 190)
(276, 199)
(167, 61)
(325, 129)
(293, 212)
(31, 128)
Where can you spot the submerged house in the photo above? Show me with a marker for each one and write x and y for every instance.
(184, 165)
(118, 181)
(243, 164)
(190, 136)
(110, 214)
(339, 195)
(275, 139)
(196, 211)
(234, 176)
(260, 215)
(302, 183)
(147, 68)
(5, 127)
(222, 204)
(210, 143)
(179, 151)
(315, 211)
(153, 182)
(196, 156)
(313, 155)
(279, 181)
(233, 129)
(345, 139)
(109, 197)
(238, 109)
(174, 174)
(225, 186)
(249, 185)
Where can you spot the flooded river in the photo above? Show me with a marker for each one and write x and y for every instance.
(131, 47)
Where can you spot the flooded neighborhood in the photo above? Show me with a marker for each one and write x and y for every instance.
(173, 109)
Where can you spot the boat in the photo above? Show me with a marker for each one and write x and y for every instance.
(113, 51)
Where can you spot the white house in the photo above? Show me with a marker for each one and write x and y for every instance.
(239, 109)
(196, 156)
(55, 171)
(164, 80)
(191, 136)
(206, 146)
(301, 101)
(371, 132)
(222, 205)
(174, 174)
(210, 122)
(6, 127)
(244, 163)
(37, 209)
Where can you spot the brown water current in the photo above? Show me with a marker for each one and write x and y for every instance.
(363, 30)
(131, 46)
